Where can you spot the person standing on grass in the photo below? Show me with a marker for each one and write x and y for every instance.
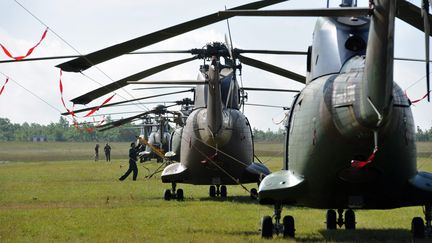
(107, 150)
(133, 153)
(97, 152)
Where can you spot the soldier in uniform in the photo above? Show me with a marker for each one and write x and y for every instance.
(133, 153)
(107, 150)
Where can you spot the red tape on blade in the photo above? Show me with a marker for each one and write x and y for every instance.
(97, 108)
(30, 51)
(361, 164)
(1, 90)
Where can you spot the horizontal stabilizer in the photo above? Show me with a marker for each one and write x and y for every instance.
(422, 181)
(282, 187)
(175, 172)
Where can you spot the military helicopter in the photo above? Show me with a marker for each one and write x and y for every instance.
(350, 142)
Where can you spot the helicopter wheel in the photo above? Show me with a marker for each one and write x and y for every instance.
(331, 219)
(167, 195)
(288, 226)
(212, 191)
(223, 191)
(350, 220)
(266, 227)
(180, 196)
(418, 228)
(253, 193)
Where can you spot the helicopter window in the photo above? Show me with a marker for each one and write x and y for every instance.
(355, 43)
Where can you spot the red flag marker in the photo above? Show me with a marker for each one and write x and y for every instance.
(5, 50)
(1, 90)
(361, 164)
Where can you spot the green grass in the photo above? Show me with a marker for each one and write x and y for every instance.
(82, 200)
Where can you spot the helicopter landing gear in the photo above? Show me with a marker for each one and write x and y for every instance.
(254, 193)
(349, 220)
(218, 190)
(420, 229)
(173, 193)
(286, 228)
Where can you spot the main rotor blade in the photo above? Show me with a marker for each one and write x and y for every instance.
(163, 87)
(273, 69)
(425, 13)
(320, 12)
(86, 98)
(271, 106)
(127, 101)
(270, 52)
(122, 121)
(411, 14)
(169, 82)
(83, 63)
(273, 90)
(75, 56)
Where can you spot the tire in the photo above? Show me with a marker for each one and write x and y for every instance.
(180, 196)
(266, 227)
(212, 191)
(254, 193)
(167, 195)
(331, 219)
(350, 223)
(417, 227)
(288, 226)
(223, 192)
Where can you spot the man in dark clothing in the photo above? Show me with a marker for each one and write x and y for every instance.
(97, 152)
(133, 153)
(107, 150)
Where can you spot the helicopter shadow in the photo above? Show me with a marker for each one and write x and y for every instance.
(236, 199)
(362, 235)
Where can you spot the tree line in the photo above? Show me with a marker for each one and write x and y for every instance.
(64, 131)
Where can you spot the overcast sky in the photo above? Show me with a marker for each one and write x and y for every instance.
(32, 94)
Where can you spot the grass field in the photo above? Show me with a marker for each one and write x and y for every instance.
(82, 200)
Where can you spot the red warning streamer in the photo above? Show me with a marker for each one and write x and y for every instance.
(74, 116)
(97, 108)
(1, 90)
(361, 164)
(28, 52)
(61, 94)
(422, 98)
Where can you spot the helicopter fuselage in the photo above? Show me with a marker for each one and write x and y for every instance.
(350, 110)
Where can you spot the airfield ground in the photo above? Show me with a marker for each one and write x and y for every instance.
(55, 192)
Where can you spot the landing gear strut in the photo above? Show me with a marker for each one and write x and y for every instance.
(348, 220)
(173, 193)
(218, 190)
(286, 228)
(419, 229)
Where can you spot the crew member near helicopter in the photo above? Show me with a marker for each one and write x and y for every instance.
(133, 153)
